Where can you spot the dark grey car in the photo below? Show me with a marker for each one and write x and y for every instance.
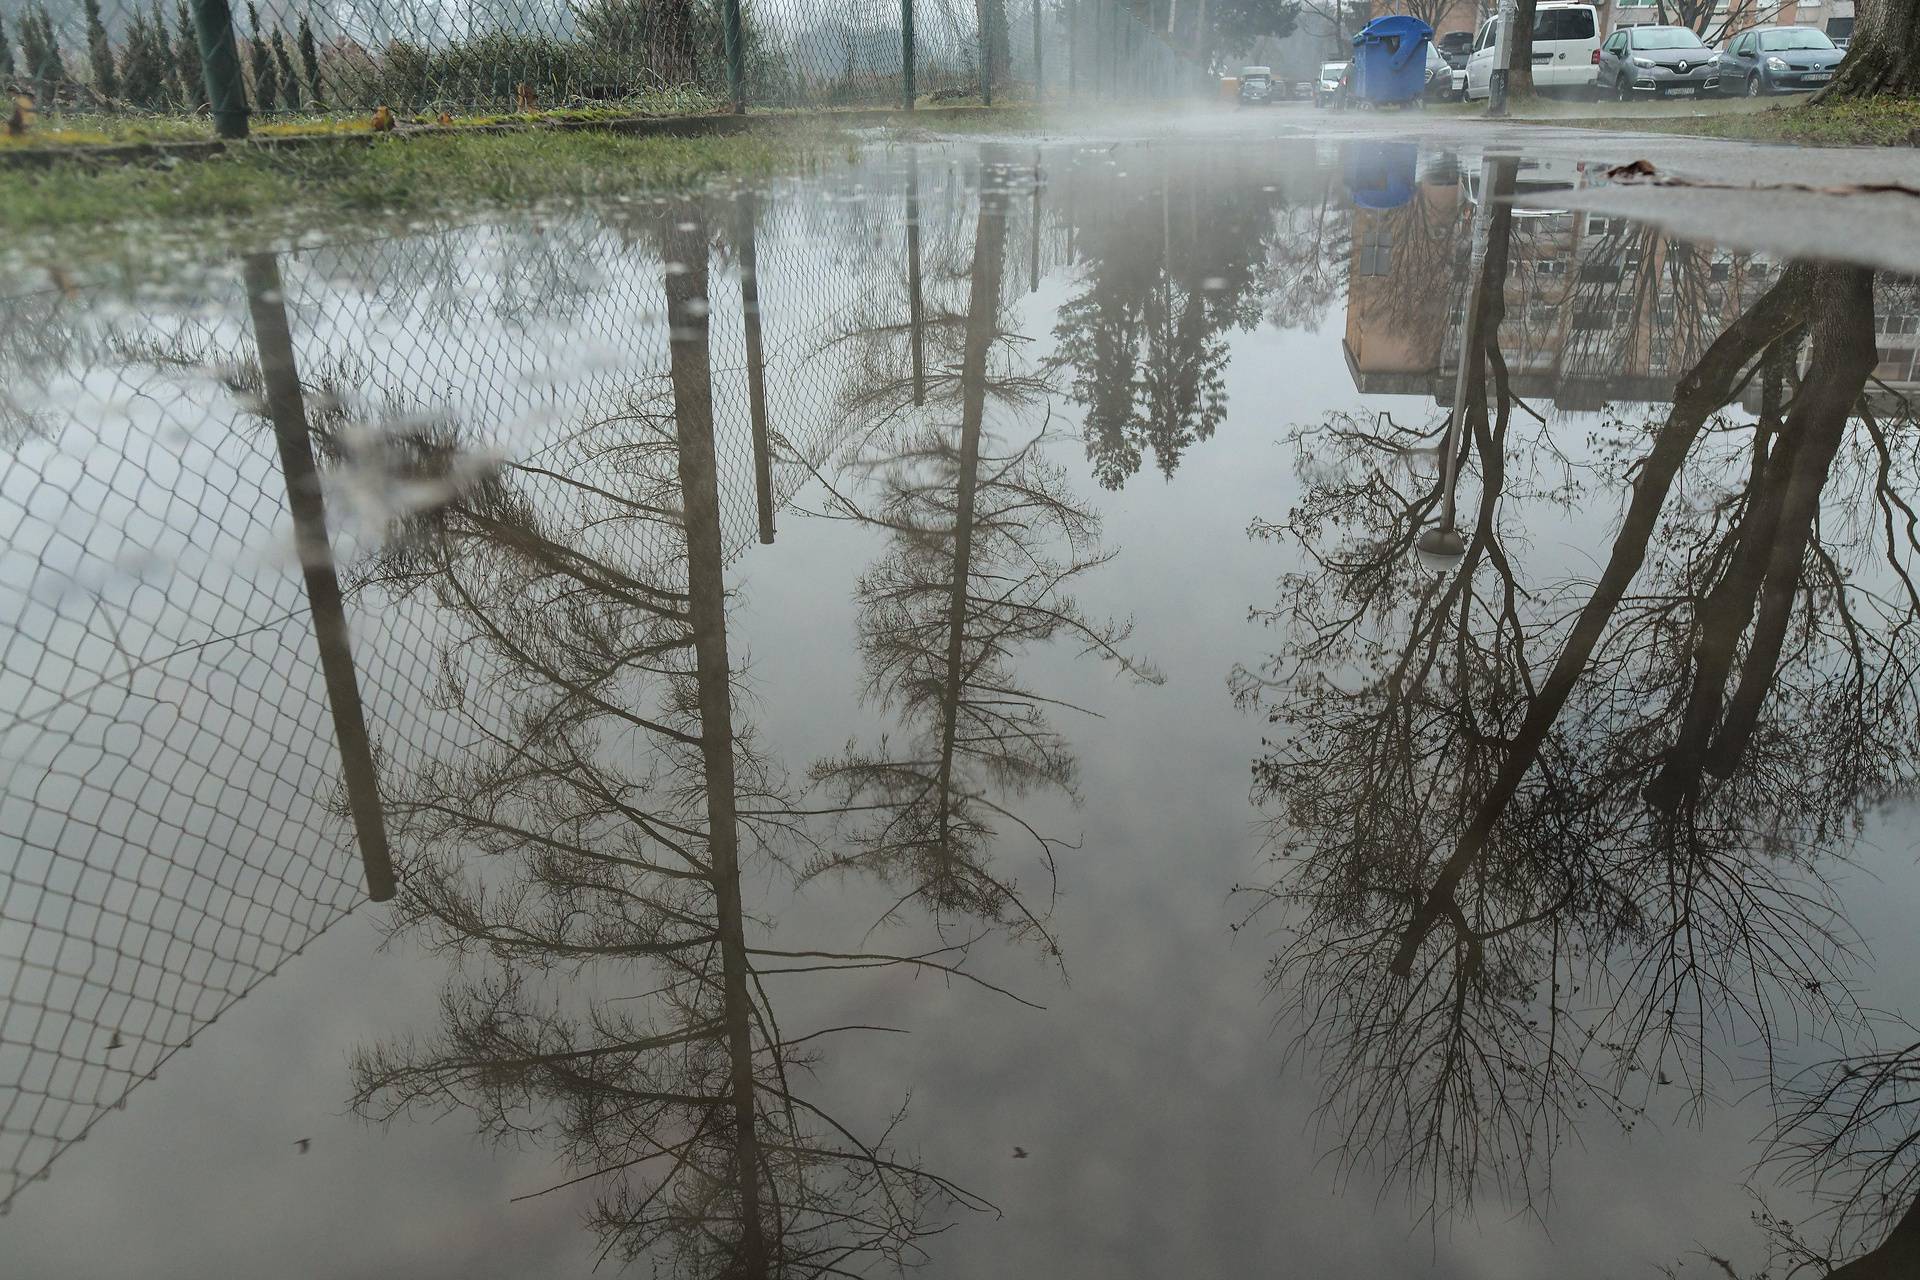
(1779, 60)
(1656, 62)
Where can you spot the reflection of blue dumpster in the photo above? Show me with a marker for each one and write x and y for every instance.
(1381, 175)
(1390, 59)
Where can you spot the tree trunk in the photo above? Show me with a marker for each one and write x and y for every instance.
(1897, 1258)
(685, 243)
(1885, 55)
(1520, 51)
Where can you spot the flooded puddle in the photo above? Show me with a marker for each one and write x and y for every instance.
(1066, 710)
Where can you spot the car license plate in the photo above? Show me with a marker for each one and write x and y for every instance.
(1681, 93)
(1817, 77)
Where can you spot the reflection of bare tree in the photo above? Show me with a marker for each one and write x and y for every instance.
(597, 833)
(985, 542)
(1307, 262)
(1511, 909)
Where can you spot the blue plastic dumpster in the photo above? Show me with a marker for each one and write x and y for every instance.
(1390, 59)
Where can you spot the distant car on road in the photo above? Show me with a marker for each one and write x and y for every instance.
(1331, 88)
(1455, 46)
(1778, 60)
(1256, 86)
(1656, 62)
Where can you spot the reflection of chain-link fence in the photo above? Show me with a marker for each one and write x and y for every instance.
(120, 61)
(174, 824)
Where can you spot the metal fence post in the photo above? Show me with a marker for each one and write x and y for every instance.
(1073, 49)
(1038, 80)
(220, 63)
(986, 52)
(735, 41)
(906, 53)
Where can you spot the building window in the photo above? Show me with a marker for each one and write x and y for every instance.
(1376, 250)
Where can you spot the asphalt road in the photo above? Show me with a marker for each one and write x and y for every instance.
(1759, 197)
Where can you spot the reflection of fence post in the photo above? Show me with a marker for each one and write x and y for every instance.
(916, 310)
(756, 364)
(286, 407)
(734, 38)
(906, 53)
(220, 64)
(1033, 259)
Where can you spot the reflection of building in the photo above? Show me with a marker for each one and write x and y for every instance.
(1597, 309)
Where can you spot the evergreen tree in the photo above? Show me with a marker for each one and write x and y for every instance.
(310, 59)
(6, 52)
(186, 53)
(41, 45)
(142, 72)
(100, 53)
(170, 82)
(266, 82)
(289, 82)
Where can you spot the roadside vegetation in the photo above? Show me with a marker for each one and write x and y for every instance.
(1865, 122)
(407, 176)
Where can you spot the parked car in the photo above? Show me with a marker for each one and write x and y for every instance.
(1256, 86)
(1657, 62)
(1566, 41)
(1778, 60)
(1440, 77)
(1455, 46)
(1330, 89)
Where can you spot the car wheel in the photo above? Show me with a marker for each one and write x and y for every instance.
(1754, 87)
(1623, 89)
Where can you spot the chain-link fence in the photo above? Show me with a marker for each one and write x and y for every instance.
(104, 68)
(178, 760)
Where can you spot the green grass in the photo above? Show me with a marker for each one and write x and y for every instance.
(254, 191)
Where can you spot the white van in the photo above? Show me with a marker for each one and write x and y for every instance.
(1566, 51)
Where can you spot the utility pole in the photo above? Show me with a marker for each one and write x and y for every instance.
(1503, 51)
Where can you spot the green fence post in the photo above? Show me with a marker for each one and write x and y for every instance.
(986, 52)
(734, 39)
(1073, 49)
(220, 60)
(1037, 81)
(906, 53)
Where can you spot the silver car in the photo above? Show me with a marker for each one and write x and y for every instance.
(1656, 62)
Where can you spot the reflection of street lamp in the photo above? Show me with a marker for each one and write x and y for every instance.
(1441, 547)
